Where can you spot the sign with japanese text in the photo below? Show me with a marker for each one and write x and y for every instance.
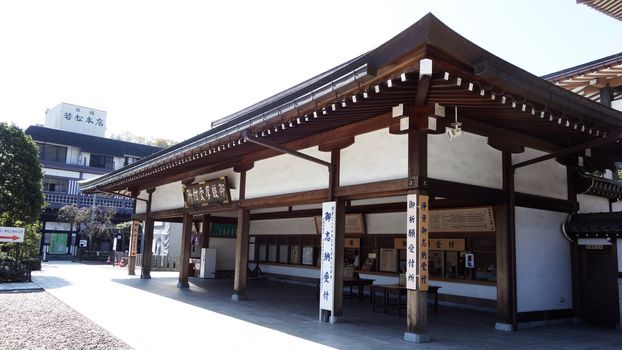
(327, 257)
(447, 244)
(134, 237)
(12, 234)
(480, 219)
(208, 192)
(424, 241)
(411, 242)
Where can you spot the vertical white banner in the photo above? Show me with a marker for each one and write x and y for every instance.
(411, 242)
(327, 257)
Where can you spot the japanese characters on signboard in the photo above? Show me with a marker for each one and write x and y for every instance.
(411, 242)
(424, 240)
(134, 237)
(327, 256)
(208, 192)
(87, 117)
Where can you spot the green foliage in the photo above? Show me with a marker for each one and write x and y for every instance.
(12, 270)
(157, 142)
(21, 196)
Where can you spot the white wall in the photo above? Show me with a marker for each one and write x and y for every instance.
(286, 174)
(295, 226)
(169, 196)
(616, 206)
(389, 223)
(542, 261)
(61, 173)
(225, 252)
(374, 156)
(592, 204)
(547, 179)
(465, 159)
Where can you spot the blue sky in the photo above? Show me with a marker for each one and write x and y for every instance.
(166, 69)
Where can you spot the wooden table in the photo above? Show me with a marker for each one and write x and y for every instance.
(353, 282)
(399, 290)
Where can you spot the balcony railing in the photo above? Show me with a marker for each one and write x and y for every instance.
(57, 200)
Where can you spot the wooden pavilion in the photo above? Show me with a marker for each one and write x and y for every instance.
(428, 120)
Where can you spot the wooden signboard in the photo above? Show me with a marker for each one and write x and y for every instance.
(134, 237)
(424, 242)
(447, 244)
(480, 219)
(354, 224)
(205, 193)
(352, 243)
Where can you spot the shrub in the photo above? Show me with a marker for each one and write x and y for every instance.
(13, 271)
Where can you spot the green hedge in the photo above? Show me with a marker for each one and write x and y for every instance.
(13, 271)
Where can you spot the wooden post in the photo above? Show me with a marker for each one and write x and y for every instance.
(145, 271)
(205, 231)
(417, 301)
(241, 245)
(241, 256)
(131, 263)
(186, 236)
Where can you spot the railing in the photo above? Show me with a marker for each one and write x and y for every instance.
(57, 200)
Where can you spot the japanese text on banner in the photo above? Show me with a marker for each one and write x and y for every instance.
(424, 242)
(327, 257)
(411, 242)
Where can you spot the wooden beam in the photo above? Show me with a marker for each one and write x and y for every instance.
(336, 144)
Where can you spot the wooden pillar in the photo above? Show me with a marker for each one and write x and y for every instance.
(205, 228)
(241, 255)
(606, 96)
(417, 301)
(145, 271)
(186, 237)
(506, 251)
(241, 245)
(340, 234)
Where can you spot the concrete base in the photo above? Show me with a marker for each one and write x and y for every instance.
(183, 285)
(145, 277)
(335, 319)
(416, 337)
(238, 297)
(504, 327)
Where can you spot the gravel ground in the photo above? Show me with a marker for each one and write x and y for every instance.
(40, 321)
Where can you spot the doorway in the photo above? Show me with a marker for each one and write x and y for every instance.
(599, 285)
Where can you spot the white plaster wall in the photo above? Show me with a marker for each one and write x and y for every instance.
(466, 290)
(294, 226)
(542, 261)
(616, 206)
(286, 174)
(61, 173)
(169, 196)
(465, 159)
(141, 206)
(547, 179)
(233, 179)
(288, 270)
(225, 252)
(374, 156)
(592, 204)
(388, 223)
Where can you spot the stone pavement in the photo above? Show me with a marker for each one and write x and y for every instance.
(155, 314)
(19, 287)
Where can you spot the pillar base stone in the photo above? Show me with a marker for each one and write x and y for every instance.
(145, 277)
(335, 319)
(183, 285)
(238, 297)
(504, 327)
(416, 337)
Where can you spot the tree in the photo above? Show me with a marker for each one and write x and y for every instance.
(21, 195)
(129, 137)
(98, 222)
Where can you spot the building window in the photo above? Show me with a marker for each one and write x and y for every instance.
(130, 159)
(101, 161)
(52, 184)
(52, 153)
